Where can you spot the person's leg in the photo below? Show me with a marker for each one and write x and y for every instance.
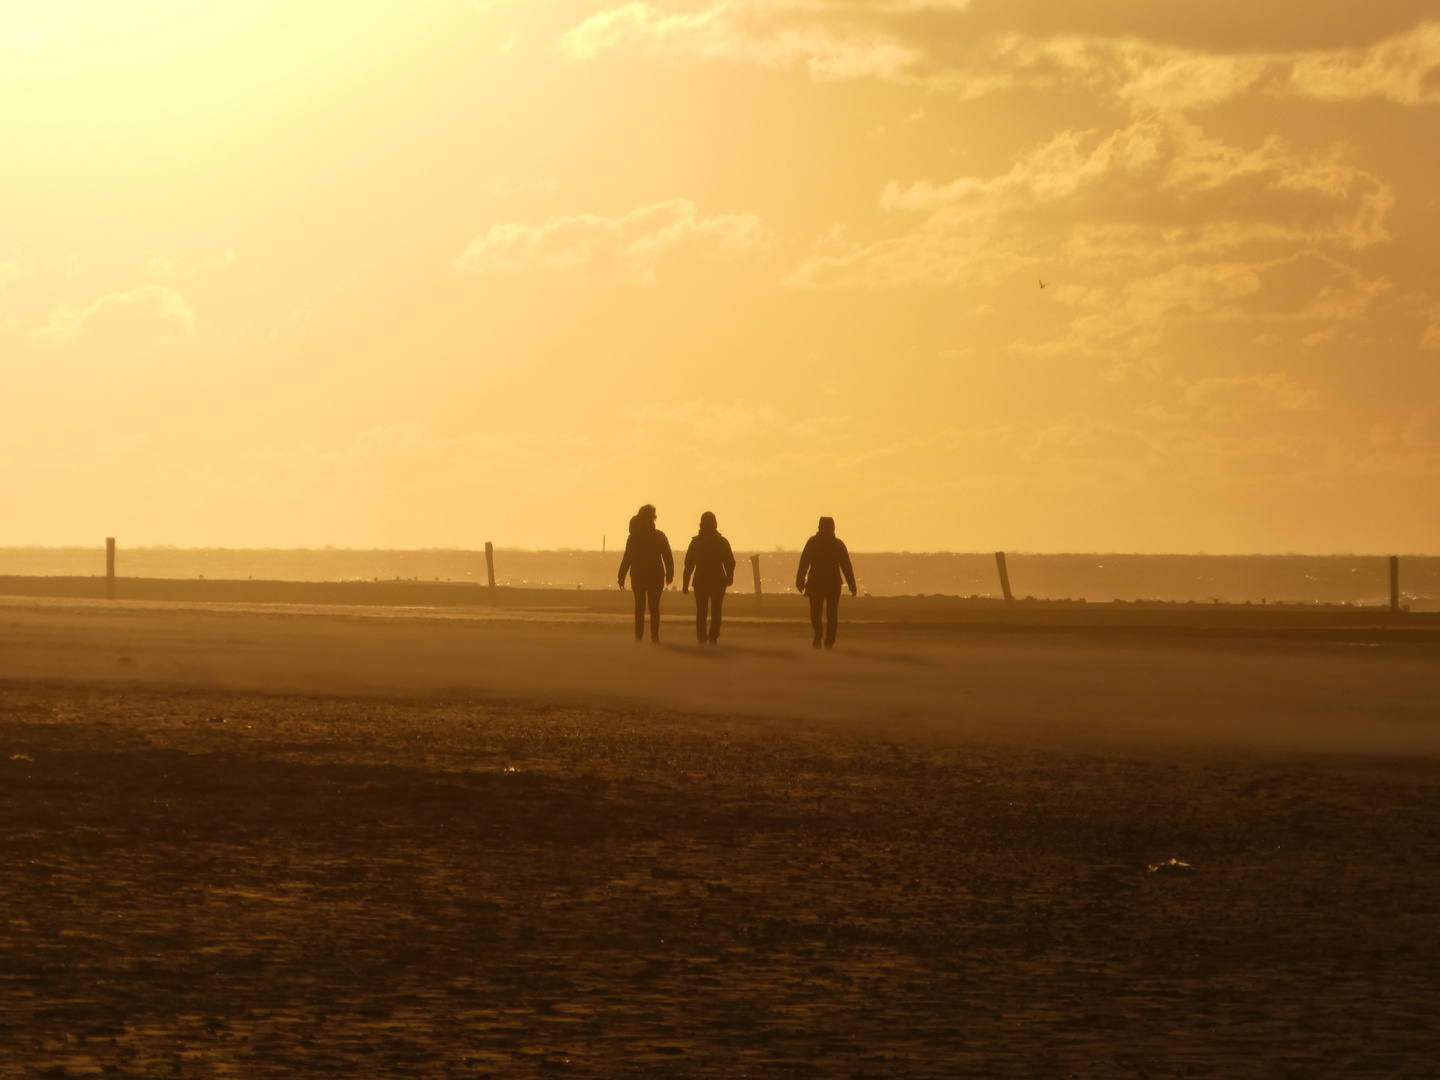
(832, 618)
(655, 591)
(817, 604)
(717, 601)
(639, 610)
(700, 599)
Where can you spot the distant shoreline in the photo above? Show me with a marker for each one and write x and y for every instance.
(1095, 578)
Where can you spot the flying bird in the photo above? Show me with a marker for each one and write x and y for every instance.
(1042, 284)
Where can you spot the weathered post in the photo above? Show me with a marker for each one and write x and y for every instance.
(1004, 576)
(110, 568)
(1394, 582)
(490, 564)
(755, 570)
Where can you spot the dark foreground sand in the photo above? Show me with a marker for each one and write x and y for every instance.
(277, 843)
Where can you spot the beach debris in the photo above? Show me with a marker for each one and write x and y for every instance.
(1170, 866)
(21, 757)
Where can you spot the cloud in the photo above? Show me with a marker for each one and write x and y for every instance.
(1147, 236)
(149, 316)
(1145, 76)
(1151, 194)
(883, 40)
(1231, 396)
(768, 34)
(1430, 336)
(1404, 69)
(626, 248)
(1134, 319)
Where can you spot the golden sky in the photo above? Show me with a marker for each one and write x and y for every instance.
(431, 273)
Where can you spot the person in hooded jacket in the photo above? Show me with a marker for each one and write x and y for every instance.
(712, 563)
(822, 562)
(651, 567)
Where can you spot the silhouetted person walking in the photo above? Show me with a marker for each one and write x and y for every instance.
(651, 567)
(711, 561)
(825, 558)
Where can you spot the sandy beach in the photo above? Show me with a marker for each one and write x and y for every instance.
(280, 842)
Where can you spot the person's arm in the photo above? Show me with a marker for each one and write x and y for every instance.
(689, 565)
(729, 563)
(845, 566)
(669, 558)
(804, 565)
(625, 562)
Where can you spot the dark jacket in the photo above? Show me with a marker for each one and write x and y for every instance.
(826, 558)
(648, 558)
(712, 562)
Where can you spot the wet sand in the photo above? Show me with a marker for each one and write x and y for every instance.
(282, 841)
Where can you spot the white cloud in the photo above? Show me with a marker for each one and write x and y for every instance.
(768, 34)
(627, 248)
(1145, 236)
(1430, 323)
(1155, 192)
(151, 315)
(857, 39)
(1404, 69)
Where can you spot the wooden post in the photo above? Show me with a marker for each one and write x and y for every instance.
(490, 563)
(1004, 576)
(1394, 582)
(755, 570)
(110, 568)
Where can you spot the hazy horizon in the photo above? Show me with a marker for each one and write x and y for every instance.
(777, 549)
(1101, 577)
